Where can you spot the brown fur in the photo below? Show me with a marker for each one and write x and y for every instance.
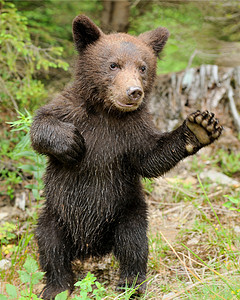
(100, 140)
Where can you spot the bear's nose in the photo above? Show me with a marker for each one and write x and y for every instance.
(134, 93)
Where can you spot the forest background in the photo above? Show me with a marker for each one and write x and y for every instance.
(36, 61)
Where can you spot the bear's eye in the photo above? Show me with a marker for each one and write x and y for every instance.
(143, 69)
(114, 66)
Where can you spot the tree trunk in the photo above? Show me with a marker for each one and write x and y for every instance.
(206, 87)
(115, 16)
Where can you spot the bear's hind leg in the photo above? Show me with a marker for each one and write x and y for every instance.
(55, 256)
(131, 249)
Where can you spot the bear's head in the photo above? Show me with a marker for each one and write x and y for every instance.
(115, 71)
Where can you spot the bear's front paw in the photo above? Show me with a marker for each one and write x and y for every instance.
(204, 126)
(68, 145)
(49, 292)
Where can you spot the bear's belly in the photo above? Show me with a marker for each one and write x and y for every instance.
(85, 190)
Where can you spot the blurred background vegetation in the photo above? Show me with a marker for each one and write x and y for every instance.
(36, 40)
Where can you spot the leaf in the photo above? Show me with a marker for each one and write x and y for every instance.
(12, 291)
(25, 141)
(234, 200)
(84, 295)
(2, 297)
(31, 186)
(62, 296)
(36, 194)
(28, 168)
(30, 265)
(36, 277)
(24, 276)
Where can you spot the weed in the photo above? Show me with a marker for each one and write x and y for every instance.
(157, 250)
(29, 277)
(228, 162)
(86, 286)
(37, 163)
(6, 235)
(233, 203)
(148, 185)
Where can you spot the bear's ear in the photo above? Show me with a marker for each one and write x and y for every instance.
(85, 32)
(156, 39)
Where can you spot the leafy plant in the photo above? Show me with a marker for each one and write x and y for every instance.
(29, 277)
(7, 232)
(21, 60)
(184, 23)
(148, 185)
(228, 162)
(233, 203)
(85, 286)
(23, 149)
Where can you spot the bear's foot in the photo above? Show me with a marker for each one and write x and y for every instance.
(50, 291)
(138, 283)
(204, 126)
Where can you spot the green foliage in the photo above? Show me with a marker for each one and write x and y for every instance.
(185, 25)
(228, 162)
(148, 185)
(49, 25)
(21, 60)
(85, 287)
(223, 19)
(7, 233)
(29, 277)
(23, 159)
(37, 163)
(233, 203)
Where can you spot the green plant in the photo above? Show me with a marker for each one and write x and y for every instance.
(29, 277)
(148, 185)
(157, 251)
(10, 179)
(37, 163)
(228, 162)
(21, 60)
(184, 23)
(233, 203)
(85, 287)
(7, 232)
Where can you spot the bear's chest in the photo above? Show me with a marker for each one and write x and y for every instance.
(107, 143)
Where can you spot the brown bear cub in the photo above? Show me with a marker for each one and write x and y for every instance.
(100, 141)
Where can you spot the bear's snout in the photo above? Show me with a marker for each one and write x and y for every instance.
(134, 93)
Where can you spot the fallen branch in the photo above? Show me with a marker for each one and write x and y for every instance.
(235, 115)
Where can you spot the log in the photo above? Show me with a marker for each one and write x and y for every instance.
(207, 87)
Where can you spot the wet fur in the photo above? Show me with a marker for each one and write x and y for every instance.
(97, 155)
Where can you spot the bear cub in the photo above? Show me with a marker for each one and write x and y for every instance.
(100, 140)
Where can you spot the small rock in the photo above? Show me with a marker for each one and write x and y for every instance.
(165, 297)
(20, 200)
(237, 229)
(5, 264)
(3, 215)
(193, 241)
(219, 178)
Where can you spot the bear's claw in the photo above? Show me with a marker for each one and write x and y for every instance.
(205, 126)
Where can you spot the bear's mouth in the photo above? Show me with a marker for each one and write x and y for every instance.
(126, 105)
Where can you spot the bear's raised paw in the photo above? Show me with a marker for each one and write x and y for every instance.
(204, 126)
